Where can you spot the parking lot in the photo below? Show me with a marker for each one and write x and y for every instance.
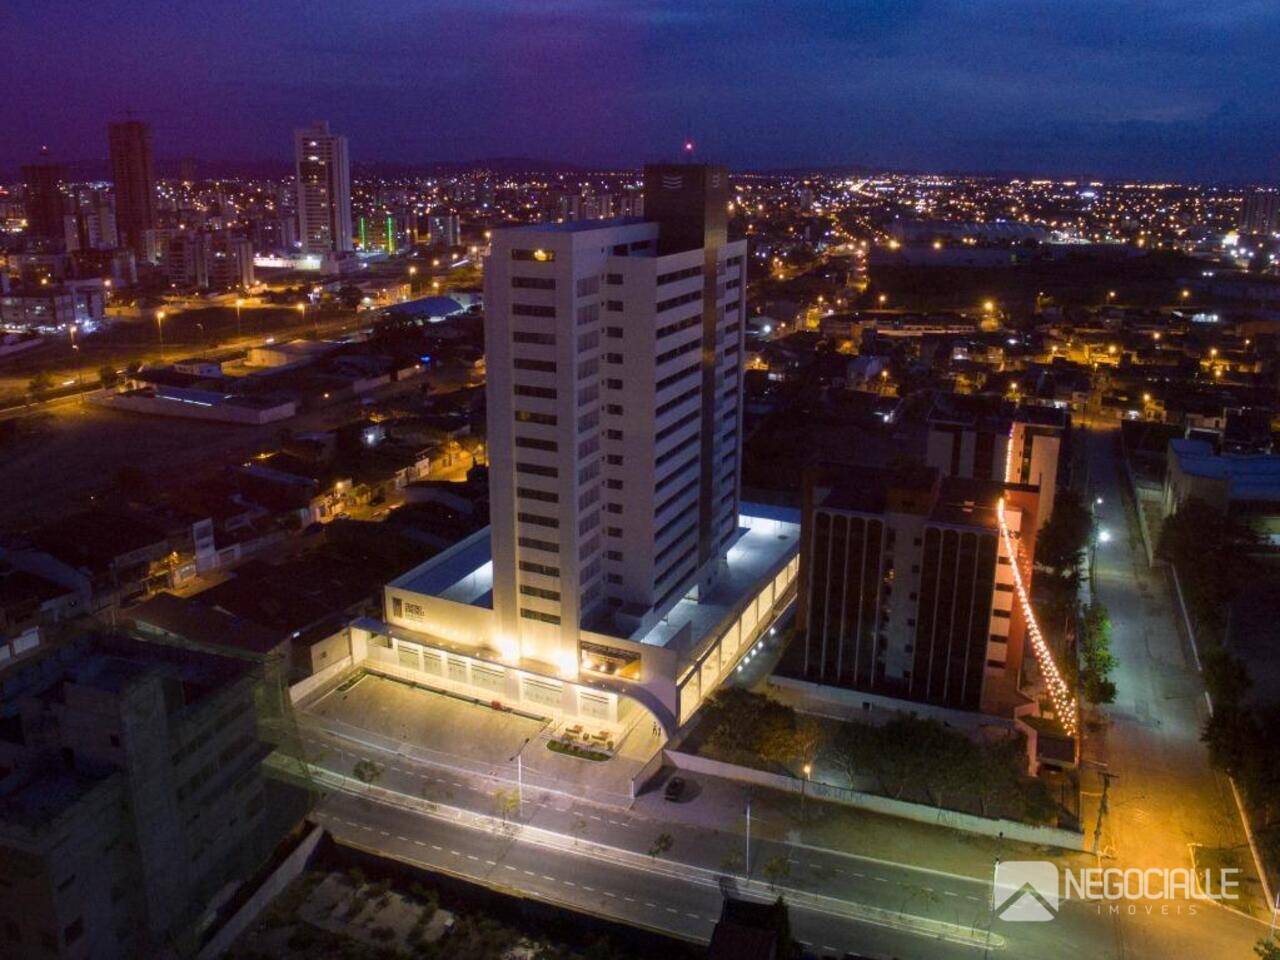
(446, 730)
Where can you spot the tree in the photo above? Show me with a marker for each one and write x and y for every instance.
(744, 725)
(1095, 654)
(40, 385)
(1212, 553)
(661, 844)
(776, 870)
(1225, 677)
(1061, 542)
(1267, 948)
(367, 772)
(349, 295)
(1232, 736)
(507, 803)
(107, 374)
(997, 771)
(807, 741)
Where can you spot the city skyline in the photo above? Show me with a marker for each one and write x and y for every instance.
(1094, 90)
(710, 481)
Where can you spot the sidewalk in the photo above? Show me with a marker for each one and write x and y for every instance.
(679, 868)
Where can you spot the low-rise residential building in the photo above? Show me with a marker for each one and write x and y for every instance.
(1246, 486)
(29, 605)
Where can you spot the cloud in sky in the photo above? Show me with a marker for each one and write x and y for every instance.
(1167, 88)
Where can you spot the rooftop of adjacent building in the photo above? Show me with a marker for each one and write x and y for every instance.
(20, 587)
(913, 489)
(109, 663)
(576, 226)
(42, 786)
(197, 621)
(93, 538)
(1248, 476)
(987, 412)
(766, 535)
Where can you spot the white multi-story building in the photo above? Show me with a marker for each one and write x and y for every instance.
(614, 357)
(620, 578)
(323, 170)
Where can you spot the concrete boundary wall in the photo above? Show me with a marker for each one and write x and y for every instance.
(969, 823)
(288, 871)
(1153, 562)
(311, 684)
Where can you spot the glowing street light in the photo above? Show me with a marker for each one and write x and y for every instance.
(160, 331)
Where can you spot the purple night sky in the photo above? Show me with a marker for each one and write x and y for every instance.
(1149, 88)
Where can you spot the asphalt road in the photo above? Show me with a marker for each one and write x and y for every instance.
(1164, 797)
(908, 891)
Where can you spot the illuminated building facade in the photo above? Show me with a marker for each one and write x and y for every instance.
(323, 169)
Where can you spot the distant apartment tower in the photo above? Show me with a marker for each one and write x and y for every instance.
(133, 171)
(906, 588)
(614, 359)
(44, 203)
(323, 170)
(979, 438)
(208, 260)
(1261, 212)
(133, 795)
(444, 228)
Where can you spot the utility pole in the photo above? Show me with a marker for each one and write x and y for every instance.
(746, 867)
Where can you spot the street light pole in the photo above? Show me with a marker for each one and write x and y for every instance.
(75, 347)
(803, 784)
(239, 304)
(160, 329)
(519, 759)
(746, 867)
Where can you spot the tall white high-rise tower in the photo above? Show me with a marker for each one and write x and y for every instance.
(614, 353)
(324, 190)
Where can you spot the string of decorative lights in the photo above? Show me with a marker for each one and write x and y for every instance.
(1063, 703)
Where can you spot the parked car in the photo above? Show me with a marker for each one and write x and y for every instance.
(674, 790)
